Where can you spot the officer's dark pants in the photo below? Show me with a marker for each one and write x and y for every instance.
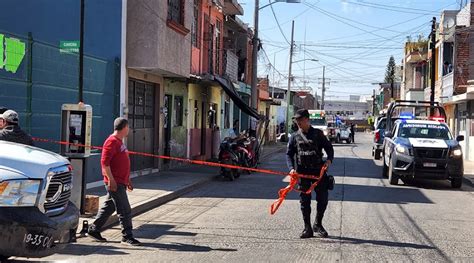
(116, 201)
(322, 195)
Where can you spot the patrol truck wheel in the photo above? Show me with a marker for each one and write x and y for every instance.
(456, 182)
(392, 177)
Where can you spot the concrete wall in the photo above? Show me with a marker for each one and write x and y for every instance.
(151, 43)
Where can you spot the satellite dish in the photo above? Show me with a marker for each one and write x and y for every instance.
(448, 22)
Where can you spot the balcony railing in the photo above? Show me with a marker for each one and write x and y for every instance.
(447, 85)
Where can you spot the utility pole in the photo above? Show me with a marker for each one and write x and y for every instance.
(391, 87)
(373, 103)
(324, 89)
(81, 55)
(288, 93)
(433, 60)
(255, 43)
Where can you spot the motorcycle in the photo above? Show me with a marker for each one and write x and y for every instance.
(228, 155)
(247, 151)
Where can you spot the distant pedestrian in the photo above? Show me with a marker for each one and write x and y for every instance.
(116, 171)
(10, 129)
(353, 132)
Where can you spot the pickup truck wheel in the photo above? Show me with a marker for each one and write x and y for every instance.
(384, 169)
(456, 182)
(392, 177)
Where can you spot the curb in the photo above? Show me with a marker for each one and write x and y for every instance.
(149, 204)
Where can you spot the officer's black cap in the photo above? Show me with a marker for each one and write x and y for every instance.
(301, 113)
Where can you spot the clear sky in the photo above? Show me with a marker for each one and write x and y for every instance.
(352, 38)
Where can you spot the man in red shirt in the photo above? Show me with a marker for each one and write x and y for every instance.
(116, 171)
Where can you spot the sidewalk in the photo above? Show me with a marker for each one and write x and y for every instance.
(469, 172)
(156, 189)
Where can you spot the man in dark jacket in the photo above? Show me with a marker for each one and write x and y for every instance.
(11, 131)
(353, 132)
(305, 156)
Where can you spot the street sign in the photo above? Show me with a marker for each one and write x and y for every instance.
(69, 46)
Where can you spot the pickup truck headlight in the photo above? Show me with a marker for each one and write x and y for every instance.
(402, 149)
(325, 132)
(19, 192)
(457, 152)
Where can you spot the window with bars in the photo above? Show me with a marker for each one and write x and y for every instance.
(196, 27)
(176, 11)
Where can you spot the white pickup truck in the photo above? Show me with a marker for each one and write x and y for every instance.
(36, 215)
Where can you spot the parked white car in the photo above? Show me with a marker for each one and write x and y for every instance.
(36, 215)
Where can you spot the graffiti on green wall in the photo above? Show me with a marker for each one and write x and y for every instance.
(12, 52)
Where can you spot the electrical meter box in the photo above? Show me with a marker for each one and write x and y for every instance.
(76, 128)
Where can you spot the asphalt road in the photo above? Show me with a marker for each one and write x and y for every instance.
(367, 220)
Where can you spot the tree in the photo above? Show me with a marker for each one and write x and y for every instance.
(390, 74)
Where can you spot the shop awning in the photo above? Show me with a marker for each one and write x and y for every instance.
(234, 96)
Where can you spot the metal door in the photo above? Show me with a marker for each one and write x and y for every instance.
(141, 97)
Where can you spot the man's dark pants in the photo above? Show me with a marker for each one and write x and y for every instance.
(116, 201)
(322, 198)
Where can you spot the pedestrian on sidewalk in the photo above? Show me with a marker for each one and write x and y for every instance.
(305, 156)
(10, 129)
(115, 164)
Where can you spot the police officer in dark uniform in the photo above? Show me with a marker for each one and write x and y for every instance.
(305, 156)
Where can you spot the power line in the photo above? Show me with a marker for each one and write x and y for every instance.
(341, 19)
(357, 47)
(392, 8)
(278, 23)
(394, 25)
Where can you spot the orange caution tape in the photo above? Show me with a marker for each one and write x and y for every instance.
(291, 186)
(274, 207)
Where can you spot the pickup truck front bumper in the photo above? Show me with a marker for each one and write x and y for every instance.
(27, 232)
(427, 168)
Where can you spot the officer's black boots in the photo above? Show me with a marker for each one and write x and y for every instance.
(318, 228)
(307, 232)
(319, 231)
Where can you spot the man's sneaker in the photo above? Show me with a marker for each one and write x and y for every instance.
(307, 233)
(131, 241)
(96, 236)
(319, 231)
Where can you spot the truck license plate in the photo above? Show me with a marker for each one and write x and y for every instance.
(38, 240)
(429, 165)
